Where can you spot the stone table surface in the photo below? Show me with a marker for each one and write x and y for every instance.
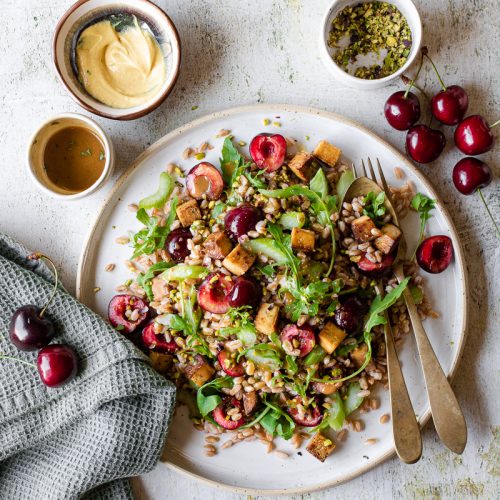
(248, 51)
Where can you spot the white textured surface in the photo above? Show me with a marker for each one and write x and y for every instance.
(241, 52)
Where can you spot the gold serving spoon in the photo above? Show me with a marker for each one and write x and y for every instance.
(446, 412)
(405, 428)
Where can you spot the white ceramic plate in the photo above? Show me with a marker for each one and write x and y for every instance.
(246, 467)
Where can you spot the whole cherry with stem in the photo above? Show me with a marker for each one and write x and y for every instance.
(402, 109)
(29, 329)
(450, 103)
(469, 176)
(473, 135)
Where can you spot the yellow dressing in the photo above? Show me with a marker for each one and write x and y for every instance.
(121, 69)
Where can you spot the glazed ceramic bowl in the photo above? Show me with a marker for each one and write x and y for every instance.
(86, 12)
(412, 16)
(38, 143)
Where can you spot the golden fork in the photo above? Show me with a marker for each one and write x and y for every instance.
(446, 412)
(405, 428)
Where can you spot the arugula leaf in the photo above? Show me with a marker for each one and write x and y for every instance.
(321, 207)
(291, 365)
(153, 236)
(244, 328)
(277, 422)
(172, 321)
(334, 415)
(423, 205)
(208, 395)
(374, 205)
(315, 356)
(346, 179)
(265, 355)
(218, 209)
(319, 184)
(283, 243)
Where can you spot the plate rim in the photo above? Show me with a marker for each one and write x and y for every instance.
(86, 257)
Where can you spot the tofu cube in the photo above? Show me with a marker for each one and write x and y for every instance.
(320, 446)
(239, 261)
(389, 239)
(217, 245)
(266, 320)
(160, 361)
(303, 239)
(303, 166)
(200, 372)
(358, 355)
(362, 228)
(330, 337)
(327, 153)
(188, 212)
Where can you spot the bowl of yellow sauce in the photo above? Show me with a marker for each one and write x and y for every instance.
(70, 156)
(119, 60)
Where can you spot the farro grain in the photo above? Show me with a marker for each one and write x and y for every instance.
(384, 418)
(370, 441)
(281, 454)
(109, 268)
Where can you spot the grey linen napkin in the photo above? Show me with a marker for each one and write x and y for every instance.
(85, 438)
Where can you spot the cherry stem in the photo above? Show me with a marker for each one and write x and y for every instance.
(38, 256)
(412, 82)
(435, 69)
(12, 358)
(488, 210)
(495, 124)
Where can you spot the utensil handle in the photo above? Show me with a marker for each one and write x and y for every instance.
(446, 413)
(405, 428)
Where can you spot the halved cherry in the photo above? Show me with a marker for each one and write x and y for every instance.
(204, 180)
(312, 415)
(223, 419)
(156, 341)
(228, 363)
(268, 151)
(242, 219)
(299, 337)
(435, 253)
(245, 292)
(127, 313)
(376, 269)
(213, 293)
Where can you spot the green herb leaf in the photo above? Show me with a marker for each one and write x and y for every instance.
(87, 152)
(264, 355)
(208, 396)
(172, 321)
(277, 422)
(182, 272)
(315, 356)
(352, 401)
(374, 205)
(423, 205)
(319, 184)
(334, 416)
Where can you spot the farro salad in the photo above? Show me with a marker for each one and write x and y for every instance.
(254, 291)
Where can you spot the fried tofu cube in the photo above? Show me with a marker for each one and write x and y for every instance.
(330, 337)
(320, 446)
(217, 245)
(250, 401)
(303, 165)
(303, 239)
(188, 212)
(389, 239)
(266, 320)
(327, 153)
(200, 372)
(358, 355)
(160, 361)
(362, 228)
(239, 261)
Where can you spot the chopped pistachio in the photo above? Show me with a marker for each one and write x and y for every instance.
(371, 27)
(199, 156)
(266, 121)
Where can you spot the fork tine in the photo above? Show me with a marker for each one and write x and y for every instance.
(372, 173)
(353, 168)
(384, 182)
(364, 168)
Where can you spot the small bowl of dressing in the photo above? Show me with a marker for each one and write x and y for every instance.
(119, 60)
(70, 156)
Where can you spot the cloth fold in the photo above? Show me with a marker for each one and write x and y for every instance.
(85, 438)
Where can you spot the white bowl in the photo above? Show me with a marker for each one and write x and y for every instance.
(85, 12)
(38, 143)
(412, 16)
